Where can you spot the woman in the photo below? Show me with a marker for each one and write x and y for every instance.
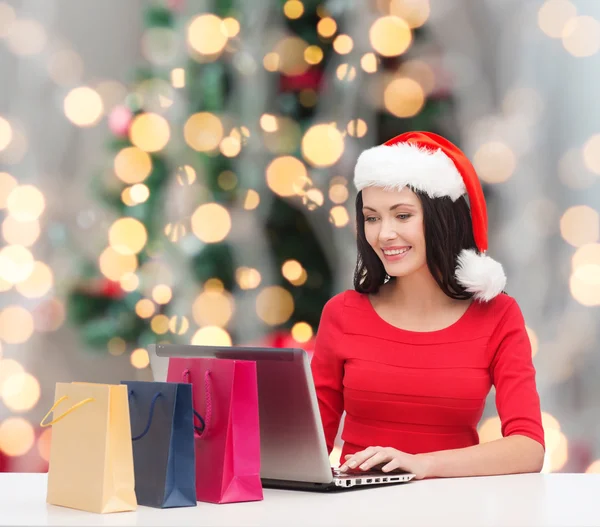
(412, 353)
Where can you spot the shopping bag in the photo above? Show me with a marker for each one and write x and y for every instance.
(163, 443)
(91, 457)
(228, 446)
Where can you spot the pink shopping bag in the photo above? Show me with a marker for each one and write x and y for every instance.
(227, 442)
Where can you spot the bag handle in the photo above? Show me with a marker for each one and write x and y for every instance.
(204, 430)
(150, 416)
(74, 407)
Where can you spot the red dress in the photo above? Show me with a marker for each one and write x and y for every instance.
(422, 391)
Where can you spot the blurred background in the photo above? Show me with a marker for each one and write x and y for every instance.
(181, 171)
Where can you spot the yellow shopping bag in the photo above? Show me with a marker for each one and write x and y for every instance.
(91, 455)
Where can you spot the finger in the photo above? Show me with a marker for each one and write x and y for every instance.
(378, 458)
(394, 464)
(356, 459)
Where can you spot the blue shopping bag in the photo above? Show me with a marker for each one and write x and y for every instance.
(162, 427)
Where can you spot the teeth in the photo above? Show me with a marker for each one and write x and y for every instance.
(394, 252)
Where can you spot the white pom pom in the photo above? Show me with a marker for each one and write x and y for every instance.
(479, 274)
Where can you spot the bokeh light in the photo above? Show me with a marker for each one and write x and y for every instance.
(357, 128)
(117, 346)
(38, 283)
(26, 37)
(339, 216)
(585, 284)
(127, 236)
(343, 44)
(327, 27)
(139, 358)
(7, 184)
(274, 305)
(7, 19)
(211, 222)
(6, 133)
(290, 54)
(26, 203)
(211, 336)
(291, 270)
(213, 308)
(179, 325)
(591, 154)
(114, 265)
(494, 162)
(145, 308)
(581, 36)
(415, 12)
(368, 62)
(302, 332)
(338, 193)
(553, 15)
(231, 27)
(390, 36)
(594, 468)
(16, 436)
(252, 200)
(83, 106)
(162, 294)
(149, 132)
(293, 9)
(132, 165)
(24, 233)
(313, 55)
(21, 392)
(203, 131)
(16, 263)
(580, 225)
(286, 176)
(403, 97)
(205, 34)
(247, 277)
(322, 145)
(160, 324)
(16, 324)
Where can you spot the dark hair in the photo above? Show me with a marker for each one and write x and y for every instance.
(448, 230)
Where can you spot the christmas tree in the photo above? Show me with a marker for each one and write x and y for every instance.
(230, 166)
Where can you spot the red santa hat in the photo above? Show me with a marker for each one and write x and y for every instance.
(428, 163)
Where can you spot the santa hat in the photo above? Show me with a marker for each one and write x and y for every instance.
(430, 164)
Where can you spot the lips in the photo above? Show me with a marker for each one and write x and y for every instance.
(394, 254)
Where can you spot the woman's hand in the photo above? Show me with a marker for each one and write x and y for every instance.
(389, 459)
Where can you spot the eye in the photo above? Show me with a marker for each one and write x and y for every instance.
(403, 216)
(370, 219)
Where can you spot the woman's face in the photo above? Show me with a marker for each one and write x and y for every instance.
(394, 229)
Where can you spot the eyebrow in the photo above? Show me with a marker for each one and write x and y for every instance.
(393, 206)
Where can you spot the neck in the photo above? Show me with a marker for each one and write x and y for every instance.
(420, 291)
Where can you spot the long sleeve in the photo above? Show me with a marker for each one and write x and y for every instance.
(513, 375)
(328, 368)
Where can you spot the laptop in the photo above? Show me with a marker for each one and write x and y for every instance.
(293, 450)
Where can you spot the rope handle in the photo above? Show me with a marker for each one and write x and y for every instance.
(204, 429)
(150, 416)
(74, 407)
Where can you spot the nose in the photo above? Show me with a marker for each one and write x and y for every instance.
(387, 231)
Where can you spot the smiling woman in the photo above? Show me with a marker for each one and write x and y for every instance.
(411, 354)
(413, 232)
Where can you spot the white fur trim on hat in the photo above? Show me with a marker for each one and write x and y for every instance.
(405, 164)
(479, 274)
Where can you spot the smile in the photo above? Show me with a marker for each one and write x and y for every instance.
(396, 253)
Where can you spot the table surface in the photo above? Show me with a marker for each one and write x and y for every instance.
(528, 499)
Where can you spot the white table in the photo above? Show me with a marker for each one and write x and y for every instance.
(523, 500)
